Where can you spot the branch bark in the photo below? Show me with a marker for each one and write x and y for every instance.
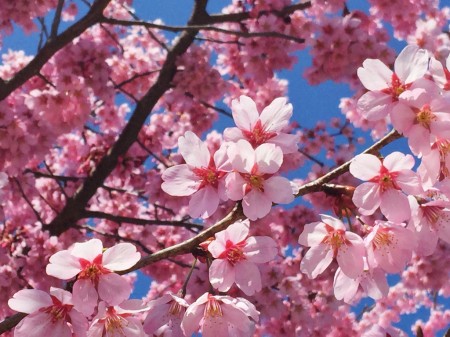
(75, 206)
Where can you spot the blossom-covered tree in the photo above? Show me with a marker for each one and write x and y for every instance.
(133, 149)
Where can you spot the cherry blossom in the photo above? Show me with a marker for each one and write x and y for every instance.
(390, 246)
(220, 316)
(422, 115)
(51, 315)
(253, 178)
(266, 127)
(202, 177)
(236, 255)
(386, 181)
(372, 281)
(430, 219)
(329, 239)
(165, 315)
(385, 85)
(117, 320)
(95, 272)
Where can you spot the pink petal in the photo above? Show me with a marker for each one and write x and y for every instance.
(235, 186)
(375, 105)
(411, 64)
(221, 275)
(157, 316)
(286, 142)
(63, 295)
(376, 286)
(242, 156)
(316, 260)
(204, 202)
(193, 315)
(88, 250)
(79, 323)
(96, 330)
(402, 117)
(113, 288)
(193, 150)
(132, 328)
(395, 206)
(236, 317)
(235, 233)
(256, 205)
(397, 161)
(365, 166)
(245, 113)
(345, 288)
(63, 265)
(232, 134)
(41, 324)
(269, 158)
(260, 249)
(84, 297)
(121, 256)
(221, 159)
(30, 300)
(313, 234)
(419, 140)
(409, 182)
(367, 197)
(215, 326)
(180, 180)
(350, 256)
(374, 75)
(276, 116)
(248, 277)
(333, 222)
(279, 190)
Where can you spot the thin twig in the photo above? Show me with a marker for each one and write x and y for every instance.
(56, 19)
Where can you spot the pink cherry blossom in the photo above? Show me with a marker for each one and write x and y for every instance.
(372, 281)
(117, 320)
(431, 220)
(220, 316)
(50, 315)
(165, 315)
(236, 256)
(385, 86)
(422, 115)
(202, 177)
(329, 239)
(440, 74)
(386, 181)
(253, 178)
(378, 331)
(266, 127)
(390, 246)
(95, 270)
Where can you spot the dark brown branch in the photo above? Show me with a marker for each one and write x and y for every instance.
(187, 246)
(75, 206)
(51, 47)
(239, 33)
(11, 322)
(138, 221)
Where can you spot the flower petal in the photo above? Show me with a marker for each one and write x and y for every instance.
(121, 256)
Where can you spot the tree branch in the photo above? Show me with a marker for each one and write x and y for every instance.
(75, 206)
(51, 47)
(138, 221)
(316, 185)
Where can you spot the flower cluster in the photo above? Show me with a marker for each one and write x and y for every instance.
(243, 168)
